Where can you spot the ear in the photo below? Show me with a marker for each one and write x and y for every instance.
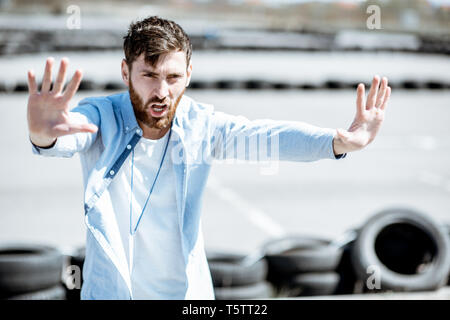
(189, 73)
(125, 73)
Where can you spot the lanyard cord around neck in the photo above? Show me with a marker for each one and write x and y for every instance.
(132, 232)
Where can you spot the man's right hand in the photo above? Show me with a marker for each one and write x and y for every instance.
(48, 110)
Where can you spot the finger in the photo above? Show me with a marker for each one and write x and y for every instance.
(66, 128)
(382, 92)
(32, 86)
(373, 93)
(47, 79)
(90, 128)
(73, 85)
(61, 78)
(360, 99)
(386, 98)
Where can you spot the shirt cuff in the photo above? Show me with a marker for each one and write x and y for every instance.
(340, 156)
(37, 149)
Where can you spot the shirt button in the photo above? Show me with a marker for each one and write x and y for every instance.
(138, 131)
(111, 172)
(126, 128)
(129, 146)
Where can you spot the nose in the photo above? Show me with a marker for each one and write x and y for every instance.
(162, 89)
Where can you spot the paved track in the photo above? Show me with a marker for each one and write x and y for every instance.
(41, 198)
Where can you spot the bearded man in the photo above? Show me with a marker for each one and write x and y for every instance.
(146, 154)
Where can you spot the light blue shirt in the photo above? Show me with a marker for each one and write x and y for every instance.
(199, 135)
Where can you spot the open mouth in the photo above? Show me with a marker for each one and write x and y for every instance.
(158, 110)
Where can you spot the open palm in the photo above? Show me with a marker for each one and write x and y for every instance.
(48, 110)
(368, 119)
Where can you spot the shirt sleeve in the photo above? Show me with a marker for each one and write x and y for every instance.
(266, 139)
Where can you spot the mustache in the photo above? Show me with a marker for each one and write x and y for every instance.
(157, 100)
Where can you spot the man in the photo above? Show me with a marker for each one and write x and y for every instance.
(146, 157)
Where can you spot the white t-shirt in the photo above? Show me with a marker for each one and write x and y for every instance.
(154, 253)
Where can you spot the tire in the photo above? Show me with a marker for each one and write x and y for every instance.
(315, 284)
(410, 250)
(258, 290)
(54, 293)
(227, 270)
(347, 275)
(78, 257)
(297, 254)
(29, 268)
(447, 226)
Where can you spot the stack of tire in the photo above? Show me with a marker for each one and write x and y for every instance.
(30, 272)
(303, 266)
(396, 250)
(400, 250)
(396, 240)
(236, 276)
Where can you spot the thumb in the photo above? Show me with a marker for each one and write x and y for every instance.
(91, 128)
(342, 133)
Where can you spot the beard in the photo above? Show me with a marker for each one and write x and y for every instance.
(142, 114)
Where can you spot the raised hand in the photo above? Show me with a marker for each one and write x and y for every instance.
(368, 119)
(48, 110)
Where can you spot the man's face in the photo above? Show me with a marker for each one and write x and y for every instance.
(156, 91)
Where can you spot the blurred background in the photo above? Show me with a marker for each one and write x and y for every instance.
(285, 59)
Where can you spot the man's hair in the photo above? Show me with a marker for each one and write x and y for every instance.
(154, 37)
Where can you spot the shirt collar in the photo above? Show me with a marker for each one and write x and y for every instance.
(127, 112)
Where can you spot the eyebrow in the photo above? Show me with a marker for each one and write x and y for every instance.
(146, 71)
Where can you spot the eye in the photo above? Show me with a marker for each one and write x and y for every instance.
(175, 76)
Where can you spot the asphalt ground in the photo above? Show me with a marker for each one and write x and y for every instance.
(41, 199)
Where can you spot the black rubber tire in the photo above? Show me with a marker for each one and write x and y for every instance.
(77, 258)
(258, 290)
(296, 254)
(54, 293)
(398, 241)
(447, 226)
(227, 271)
(346, 271)
(315, 284)
(29, 268)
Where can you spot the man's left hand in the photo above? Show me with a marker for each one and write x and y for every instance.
(368, 119)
